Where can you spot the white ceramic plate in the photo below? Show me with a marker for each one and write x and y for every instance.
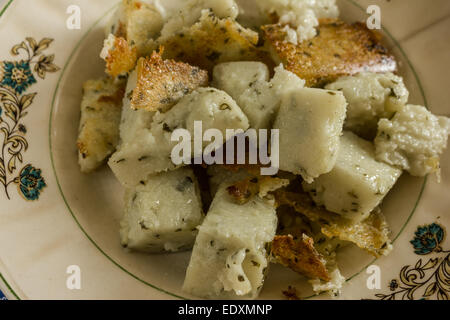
(53, 217)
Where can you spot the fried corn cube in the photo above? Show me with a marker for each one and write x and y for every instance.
(150, 151)
(229, 259)
(310, 123)
(213, 40)
(339, 49)
(131, 34)
(162, 214)
(370, 97)
(144, 22)
(413, 140)
(248, 83)
(161, 83)
(191, 11)
(358, 182)
(99, 125)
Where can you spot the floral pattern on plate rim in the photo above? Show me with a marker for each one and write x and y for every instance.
(16, 78)
(424, 280)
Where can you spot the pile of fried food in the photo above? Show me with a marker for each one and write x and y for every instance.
(346, 134)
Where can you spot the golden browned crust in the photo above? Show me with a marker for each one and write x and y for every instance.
(300, 256)
(293, 223)
(160, 83)
(242, 191)
(212, 41)
(114, 100)
(303, 203)
(101, 108)
(371, 234)
(121, 58)
(339, 49)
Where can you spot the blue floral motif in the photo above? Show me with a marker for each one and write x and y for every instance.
(428, 279)
(17, 75)
(31, 182)
(427, 239)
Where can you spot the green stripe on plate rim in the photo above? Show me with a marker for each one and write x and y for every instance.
(8, 286)
(5, 7)
(98, 247)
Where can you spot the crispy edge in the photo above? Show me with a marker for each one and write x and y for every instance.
(371, 235)
(256, 184)
(121, 58)
(113, 100)
(213, 40)
(300, 256)
(161, 82)
(339, 49)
